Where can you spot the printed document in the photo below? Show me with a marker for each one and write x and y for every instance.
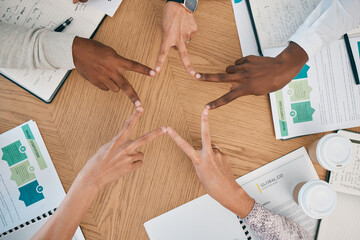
(29, 184)
(271, 185)
(323, 97)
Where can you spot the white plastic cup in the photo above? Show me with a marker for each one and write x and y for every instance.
(316, 198)
(333, 152)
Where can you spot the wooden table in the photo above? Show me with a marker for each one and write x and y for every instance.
(82, 118)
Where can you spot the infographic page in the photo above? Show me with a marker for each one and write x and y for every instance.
(29, 185)
(322, 97)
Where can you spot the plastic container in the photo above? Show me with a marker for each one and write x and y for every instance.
(316, 198)
(333, 152)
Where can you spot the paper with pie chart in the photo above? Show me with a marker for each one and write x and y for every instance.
(322, 97)
(29, 185)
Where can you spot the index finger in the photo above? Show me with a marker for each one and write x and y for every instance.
(137, 67)
(125, 133)
(225, 99)
(205, 129)
(163, 52)
(184, 145)
(220, 77)
(185, 58)
(146, 138)
(128, 89)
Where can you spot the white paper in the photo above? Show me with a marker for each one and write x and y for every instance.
(29, 184)
(343, 222)
(108, 7)
(48, 14)
(277, 20)
(323, 98)
(348, 179)
(204, 218)
(244, 28)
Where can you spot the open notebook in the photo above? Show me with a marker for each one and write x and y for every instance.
(30, 189)
(270, 185)
(47, 14)
(344, 222)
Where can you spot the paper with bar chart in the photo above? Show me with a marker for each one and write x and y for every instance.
(323, 97)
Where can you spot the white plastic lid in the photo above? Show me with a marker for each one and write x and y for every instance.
(334, 152)
(317, 199)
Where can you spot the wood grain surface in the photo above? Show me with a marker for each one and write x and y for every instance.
(82, 118)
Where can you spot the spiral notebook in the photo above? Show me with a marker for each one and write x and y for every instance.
(270, 185)
(30, 189)
(44, 84)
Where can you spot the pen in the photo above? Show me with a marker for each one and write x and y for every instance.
(62, 26)
(351, 58)
(254, 27)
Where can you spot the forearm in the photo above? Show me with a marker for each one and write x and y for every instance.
(329, 21)
(63, 224)
(269, 225)
(40, 48)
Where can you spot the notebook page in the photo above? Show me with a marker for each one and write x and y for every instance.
(343, 222)
(277, 20)
(48, 14)
(108, 7)
(348, 179)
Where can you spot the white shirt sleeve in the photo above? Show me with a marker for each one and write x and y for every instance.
(36, 48)
(329, 21)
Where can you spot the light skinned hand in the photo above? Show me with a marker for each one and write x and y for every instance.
(214, 171)
(103, 67)
(178, 26)
(254, 75)
(119, 156)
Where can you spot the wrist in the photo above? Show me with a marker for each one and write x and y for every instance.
(242, 203)
(86, 181)
(294, 57)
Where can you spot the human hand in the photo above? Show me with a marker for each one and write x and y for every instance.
(254, 75)
(103, 67)
(77, 1)
(179, 27)
(119, 156)
(214, 171)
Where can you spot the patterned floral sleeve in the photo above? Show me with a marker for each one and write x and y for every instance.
(269, 225)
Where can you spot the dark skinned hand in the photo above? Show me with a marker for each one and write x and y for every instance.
(103, 67)
(254, 75)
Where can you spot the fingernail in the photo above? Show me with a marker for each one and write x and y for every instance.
(169, 130)
(137, 103)
(192, 73)
(207, 106)
(206, 111)
(157, 69)
(198, 76)
(139, 109)
(164, 130)
(152, 73)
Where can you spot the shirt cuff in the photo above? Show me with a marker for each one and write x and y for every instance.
(57, 48)
(307, 39)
